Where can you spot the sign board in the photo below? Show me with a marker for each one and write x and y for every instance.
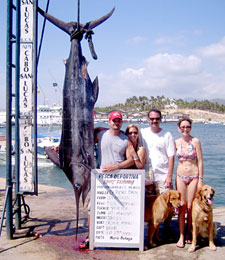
(26, 21)
(26, 96)
(26, 156)
(26, 62)
(117, 209)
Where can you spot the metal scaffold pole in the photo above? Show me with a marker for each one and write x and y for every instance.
(10, 38)
(17, 115)
(35, 65)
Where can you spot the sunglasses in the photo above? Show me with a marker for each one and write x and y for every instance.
(154, 118)
(185, 127)
(130, 133)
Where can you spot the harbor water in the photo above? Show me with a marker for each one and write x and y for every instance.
(212, 138)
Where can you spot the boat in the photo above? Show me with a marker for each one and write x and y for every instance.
(47, 139)
(49, 115)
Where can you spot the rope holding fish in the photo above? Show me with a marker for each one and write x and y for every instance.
(77, 34)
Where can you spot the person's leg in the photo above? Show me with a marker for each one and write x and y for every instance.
(192, 187)
(181, 187)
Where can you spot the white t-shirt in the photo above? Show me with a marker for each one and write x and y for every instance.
(159, 146)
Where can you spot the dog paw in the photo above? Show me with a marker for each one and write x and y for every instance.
(191, 249)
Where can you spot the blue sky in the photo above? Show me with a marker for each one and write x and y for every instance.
(174, 48)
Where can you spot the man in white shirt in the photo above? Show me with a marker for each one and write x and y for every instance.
(160, 148)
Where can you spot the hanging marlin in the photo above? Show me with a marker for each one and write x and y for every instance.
(76, 150)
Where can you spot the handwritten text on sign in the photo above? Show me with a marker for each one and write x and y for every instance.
(117, 207)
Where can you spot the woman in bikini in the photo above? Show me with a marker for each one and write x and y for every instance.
(189, 174)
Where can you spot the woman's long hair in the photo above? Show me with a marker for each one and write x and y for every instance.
(127, 133)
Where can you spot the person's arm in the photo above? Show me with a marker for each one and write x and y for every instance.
(171, 151)
(199, 161)
(123, 165)
(138, 157)
(169, 178)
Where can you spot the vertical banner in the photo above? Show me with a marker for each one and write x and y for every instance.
(26, 79)
(26, 95)
(117, 209)
(26, 156)
(27, 18)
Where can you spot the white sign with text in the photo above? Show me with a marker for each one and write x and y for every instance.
(26, 96)
(26, 156)
(26, 64)
(117, 209)
(27, 18)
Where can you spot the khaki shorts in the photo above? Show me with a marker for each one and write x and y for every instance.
(160, 187)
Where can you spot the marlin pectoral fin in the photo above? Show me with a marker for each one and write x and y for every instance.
(53, 156)
(91, 47)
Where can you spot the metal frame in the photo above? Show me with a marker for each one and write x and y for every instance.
(9, 66)
(11, 39)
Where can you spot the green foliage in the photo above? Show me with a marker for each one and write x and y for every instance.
(143, 103)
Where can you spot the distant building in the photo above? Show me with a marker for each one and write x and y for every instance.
(171, 105)
(174, 117)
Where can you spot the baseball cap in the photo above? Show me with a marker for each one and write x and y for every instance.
(115, 114)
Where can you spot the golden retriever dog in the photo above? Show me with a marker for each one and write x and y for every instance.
(158, 209)
(202, 217)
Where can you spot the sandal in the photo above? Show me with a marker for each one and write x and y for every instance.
(85, 244)
(180, 244)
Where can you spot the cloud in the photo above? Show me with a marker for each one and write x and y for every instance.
(136, 40)
(170, 40)
(215, 50)
(132, 73)
(165, 63)
(171, 75)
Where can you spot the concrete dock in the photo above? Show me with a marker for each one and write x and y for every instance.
(49, 233)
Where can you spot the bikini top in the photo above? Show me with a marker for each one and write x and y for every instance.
(190, 153)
